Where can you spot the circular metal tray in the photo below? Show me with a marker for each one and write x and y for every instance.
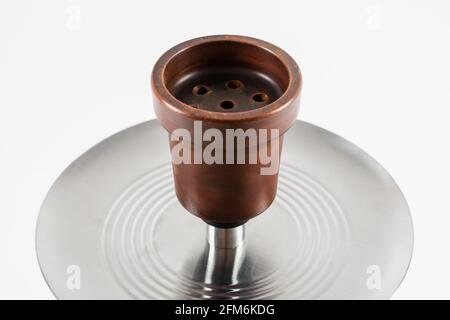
(112, 228)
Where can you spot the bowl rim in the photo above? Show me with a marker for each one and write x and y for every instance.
(162, 93)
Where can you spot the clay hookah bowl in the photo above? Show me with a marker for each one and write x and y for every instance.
(223, 83)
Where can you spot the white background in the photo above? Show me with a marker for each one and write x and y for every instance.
(375, 72)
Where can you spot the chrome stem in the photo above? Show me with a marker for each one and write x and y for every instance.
(226, 238)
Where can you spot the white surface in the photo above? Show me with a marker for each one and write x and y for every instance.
(375, 72)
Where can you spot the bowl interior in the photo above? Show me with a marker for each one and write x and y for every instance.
(226, 76)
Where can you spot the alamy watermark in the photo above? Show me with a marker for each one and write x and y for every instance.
(373, 281)
(236, 146)
(73, 281)
(73, 19)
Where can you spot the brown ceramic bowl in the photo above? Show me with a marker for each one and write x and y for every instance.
(226, 82)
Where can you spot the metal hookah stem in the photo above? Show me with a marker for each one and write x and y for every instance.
(226, 238)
